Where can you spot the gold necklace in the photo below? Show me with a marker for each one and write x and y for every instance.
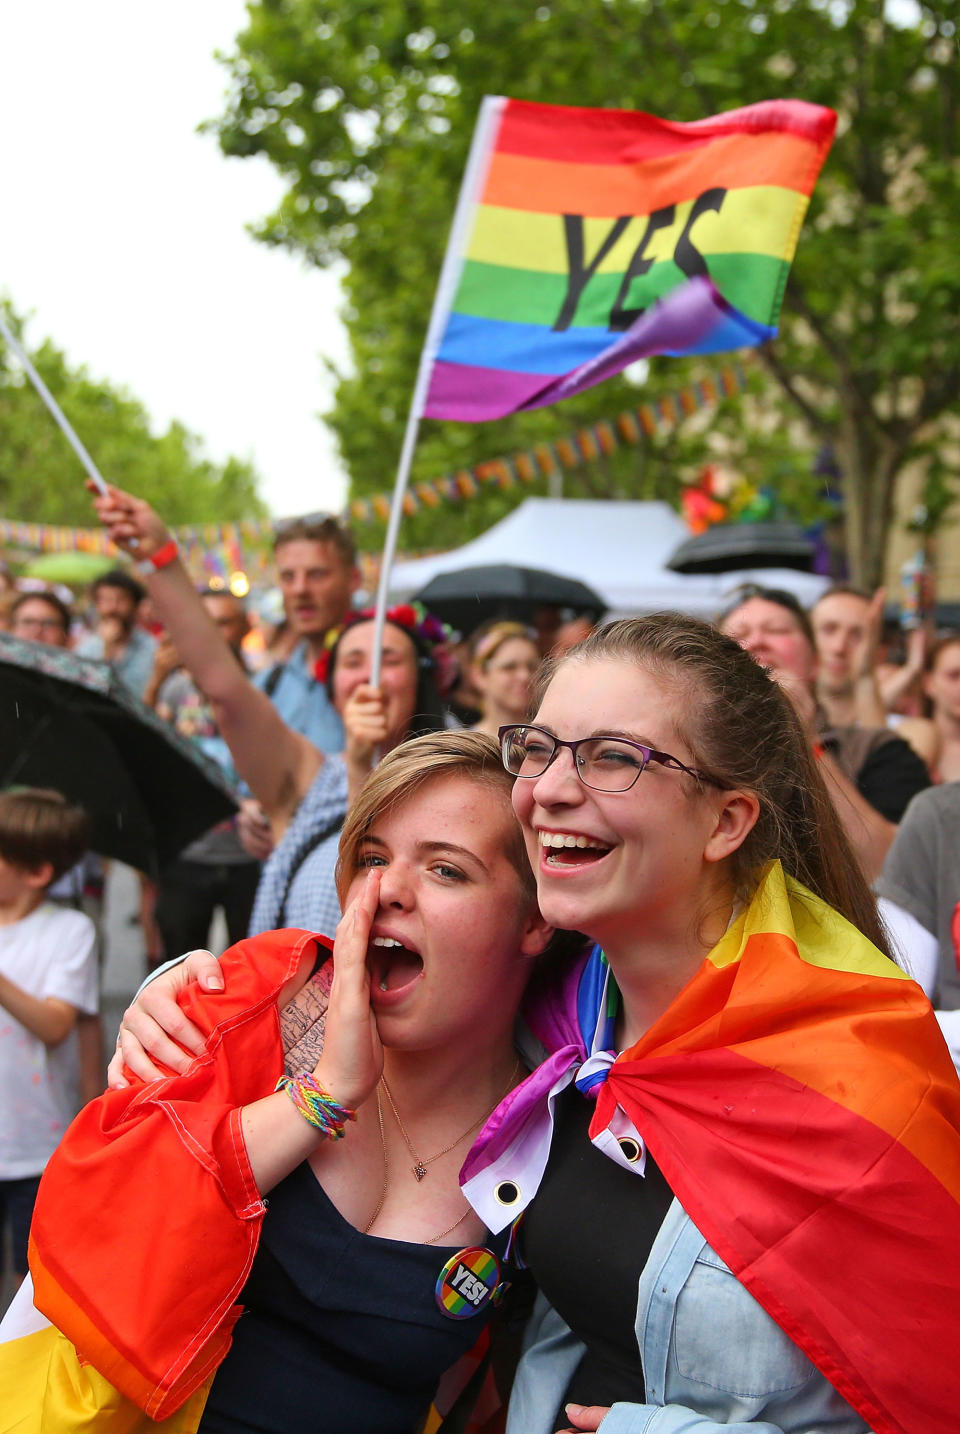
(386, 1180)
(420, 1166)
(383, 1192)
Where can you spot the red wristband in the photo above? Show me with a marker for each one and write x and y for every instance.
(160, 559)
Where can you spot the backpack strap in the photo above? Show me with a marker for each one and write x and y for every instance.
(308, 845)
(272, 679)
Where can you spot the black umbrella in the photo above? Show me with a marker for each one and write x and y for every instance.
(726, 547)
(470, 596)
(66, 722)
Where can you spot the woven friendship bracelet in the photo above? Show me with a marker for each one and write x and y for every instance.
(316, 1105)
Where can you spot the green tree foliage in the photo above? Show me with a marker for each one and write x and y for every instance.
(41, 479)
(367, 111)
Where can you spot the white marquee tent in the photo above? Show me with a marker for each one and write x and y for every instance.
(620, 549)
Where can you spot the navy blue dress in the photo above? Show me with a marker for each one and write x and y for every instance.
(341, 1332)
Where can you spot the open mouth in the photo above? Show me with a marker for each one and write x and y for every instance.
(570, 849)
(392, 965)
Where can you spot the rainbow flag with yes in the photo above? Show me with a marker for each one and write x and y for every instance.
(585, 239)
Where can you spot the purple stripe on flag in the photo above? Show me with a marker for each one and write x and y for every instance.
(471, 394)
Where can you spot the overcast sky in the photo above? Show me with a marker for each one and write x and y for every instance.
(123, 234)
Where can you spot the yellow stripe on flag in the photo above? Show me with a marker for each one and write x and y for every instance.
(44, 1389)
(823, 937)
(754, 220)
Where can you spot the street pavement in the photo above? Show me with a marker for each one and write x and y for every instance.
(124, 963)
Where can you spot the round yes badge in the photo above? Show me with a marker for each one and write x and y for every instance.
(467, 1282)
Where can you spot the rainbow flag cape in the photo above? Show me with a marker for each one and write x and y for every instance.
(46, 1389)
(146, 1225)
(585, 239)
(834, 1149)
(802, 1105)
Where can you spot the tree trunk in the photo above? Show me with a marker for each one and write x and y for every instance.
(870, 463)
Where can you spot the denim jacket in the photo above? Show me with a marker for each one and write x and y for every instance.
(714, 1360)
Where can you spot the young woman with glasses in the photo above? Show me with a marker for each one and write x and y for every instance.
(708, 1162)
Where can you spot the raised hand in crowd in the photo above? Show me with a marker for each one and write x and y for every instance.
(113, 634)
(253, 829)
(131, 522)
(367, 728)
(166, 659)
(350, 1063)
(773, 628)
(896, 681)
(277, 763)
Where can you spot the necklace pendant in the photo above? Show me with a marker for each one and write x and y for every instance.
(419, 1170)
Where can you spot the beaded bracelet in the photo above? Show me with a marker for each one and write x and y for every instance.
(316, 1105)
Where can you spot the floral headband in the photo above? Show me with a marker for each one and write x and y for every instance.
(412, 616)
(331, 637)
(431, 638)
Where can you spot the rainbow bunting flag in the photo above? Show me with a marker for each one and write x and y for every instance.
(585, 239)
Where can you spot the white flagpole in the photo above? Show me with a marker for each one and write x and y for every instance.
(56, 411)
(481, 146)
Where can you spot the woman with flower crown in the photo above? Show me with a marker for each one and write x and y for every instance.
(303, 792)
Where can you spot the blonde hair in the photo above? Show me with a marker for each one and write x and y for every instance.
(489, 643)
(407, 769)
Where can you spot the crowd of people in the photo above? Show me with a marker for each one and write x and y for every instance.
(640, 900)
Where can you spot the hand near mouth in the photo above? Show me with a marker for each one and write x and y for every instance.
(365, 721)
(352, 1059)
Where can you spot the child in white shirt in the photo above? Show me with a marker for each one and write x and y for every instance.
(48, 976)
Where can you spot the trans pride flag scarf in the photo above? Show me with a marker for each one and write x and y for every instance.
(801, 1103)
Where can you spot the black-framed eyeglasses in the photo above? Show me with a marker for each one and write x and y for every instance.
(47, 624)
(607, 764)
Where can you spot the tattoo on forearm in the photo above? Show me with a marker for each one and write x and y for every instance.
(302, 1023)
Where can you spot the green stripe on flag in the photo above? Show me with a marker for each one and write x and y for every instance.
(751, 282)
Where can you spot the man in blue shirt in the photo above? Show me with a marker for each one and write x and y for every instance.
(118, 640)
(317, 573)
